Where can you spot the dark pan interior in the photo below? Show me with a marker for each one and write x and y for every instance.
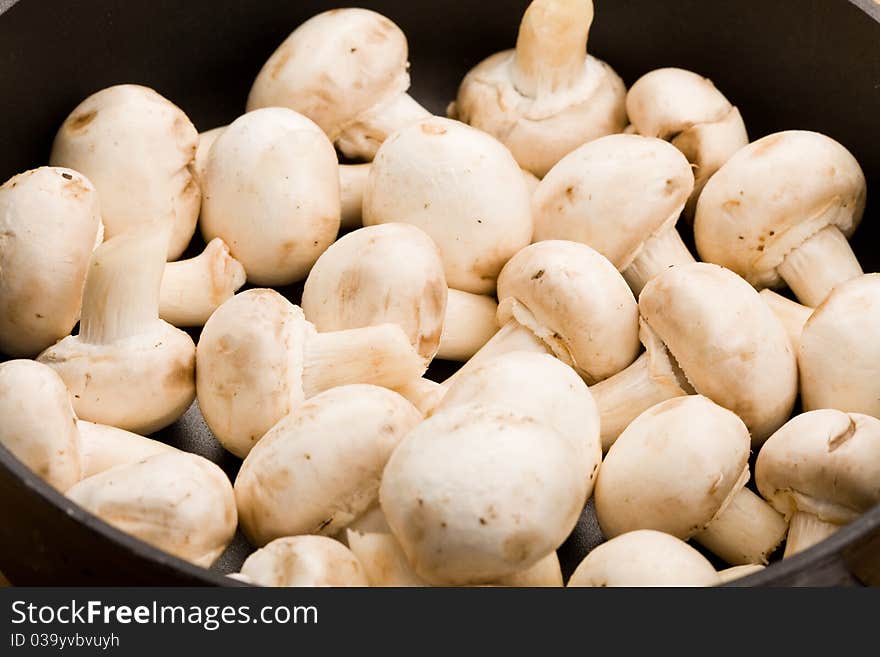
(805, 64)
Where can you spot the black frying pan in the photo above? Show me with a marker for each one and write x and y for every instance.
(805, 64)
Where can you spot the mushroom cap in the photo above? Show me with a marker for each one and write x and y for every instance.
(250, 360)
(390, 273)
(578, 302)
(541, 131)
(772, 196)
(49, 221)
(304, 561)
(138, 149)
(613, 194)
(729, 344)
(141, 384)
(463, 188)
(335, 67)
(479, 492)
(839, 354)
(37, 423)
(272, 194)
(542, 387)
(673, 469)
(823, 462)
(667, 101)
(319, 468)
(178, 502)
(644, 558)
(546, 572)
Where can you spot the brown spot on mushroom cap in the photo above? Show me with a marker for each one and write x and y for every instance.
(517, 548)
(430, 129)
(182, 373)
(763, 146)
(80, 122)
(281, 62)
(74, 186)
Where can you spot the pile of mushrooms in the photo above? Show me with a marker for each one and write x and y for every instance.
(532, 239)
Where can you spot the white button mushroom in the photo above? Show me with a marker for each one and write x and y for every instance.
(621, 195)
(548, 96)
(347, 70)
(460, 186)
(781, 209)
(126, 367)
(139, 150)
(319, 468)
(272, 193)
(258, 359)
(565, 298)
(193, 289)
(822, 470)
(839, 355)
(688, 110)
(478, 492)
(178, 502)
(37, 423)
(390, 273)
(681, 468)
(725, 343)
(352, 179)
(49, 220)
(542, 387)
(304, 561)
(644, 558)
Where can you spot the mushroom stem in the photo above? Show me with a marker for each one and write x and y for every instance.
(513, 336)
(747, 531)
(352, 182)
(121, 296)
(363, 137)
(551, 48)
(380, 355)
(193, 289)
(658, 253)
(814, 268)
(790, 313)
(468, 325)
(422, 393)
(737, 572)
(102, 447)
(805, 530)
(624, 396)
